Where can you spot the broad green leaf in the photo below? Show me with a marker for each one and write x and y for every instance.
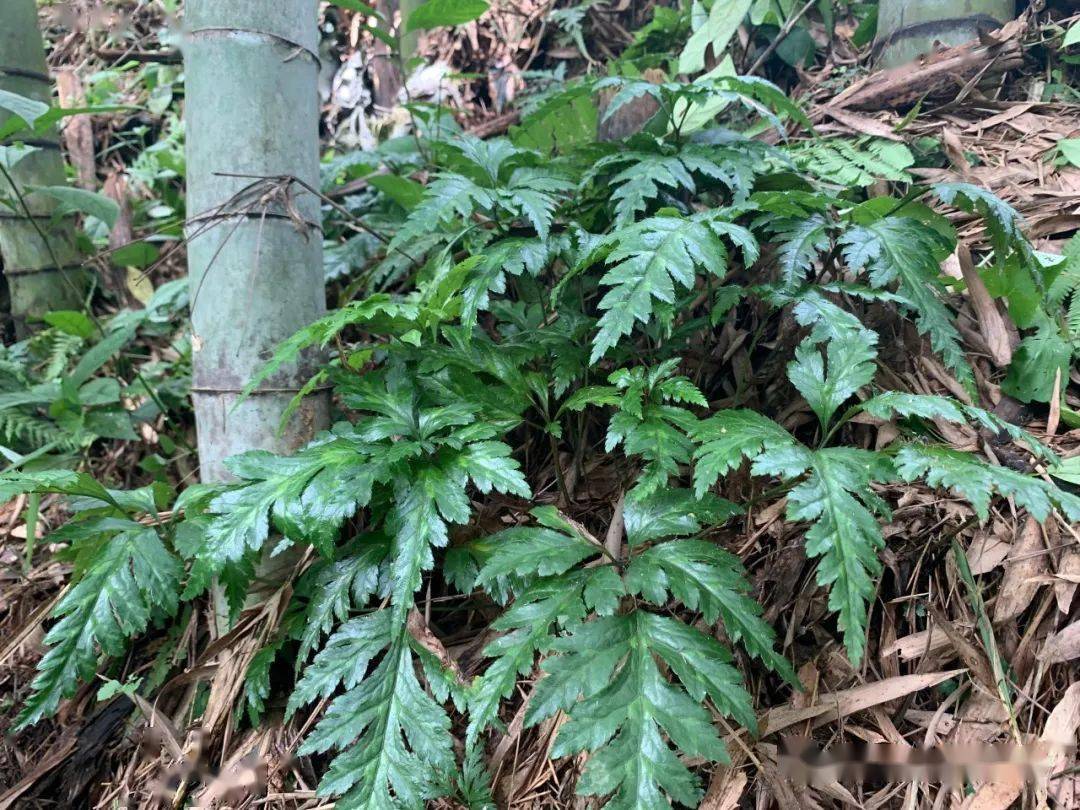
(356, 5)
(719, 27)
(72, 200)
(900, 403)
(1069, 149)
(439, 13)
(71, 322)
(135, 254)
(64, 482)
(405, 192)
(1067, 470)
(27, 109)
(97, 356)
(1072, 36)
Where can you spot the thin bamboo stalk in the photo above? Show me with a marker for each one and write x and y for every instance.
(41, 261)
(410, 41)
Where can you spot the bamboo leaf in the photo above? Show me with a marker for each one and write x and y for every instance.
(439, 13)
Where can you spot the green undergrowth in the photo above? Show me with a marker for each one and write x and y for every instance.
(535, 309)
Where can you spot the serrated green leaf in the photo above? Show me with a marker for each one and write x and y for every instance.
(532, 550)
(528, 622)
(976, 481)
(130, 578)
(905, 251)
(705, 577)
(837, 499)
(343, 662)
(828, 382)
(627, 706)
(888, 404)
(728, 437)
(397, 749)
(673, 513)
(1035, 365)
(340, 586)
(648, 260)
(490, 467)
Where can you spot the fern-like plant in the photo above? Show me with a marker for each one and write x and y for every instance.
(546, 404)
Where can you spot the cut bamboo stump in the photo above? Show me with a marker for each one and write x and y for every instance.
(908, 29)
(940, 75)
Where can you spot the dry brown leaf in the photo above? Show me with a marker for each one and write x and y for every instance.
(986, 552)
(1064, 719)
(420, 631)
(972, 657)
(78, 129)
(954, 150)
(832, 705)
(1027, 562)
(1059, 734)
(1053, 417)
(995, 796)
(981, 719)
(1062, 646)
(1068, 576)
(1000, 118)
(991, 322)
(862, 124)
(915, 645)
(946, 723)
(725, 790)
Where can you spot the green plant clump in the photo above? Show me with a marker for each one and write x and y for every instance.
(544, 326)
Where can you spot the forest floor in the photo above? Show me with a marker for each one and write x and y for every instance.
(996, 132)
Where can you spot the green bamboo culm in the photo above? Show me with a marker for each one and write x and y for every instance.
(254, 238)
(409, 40)
(908, 29)
(42, 263)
